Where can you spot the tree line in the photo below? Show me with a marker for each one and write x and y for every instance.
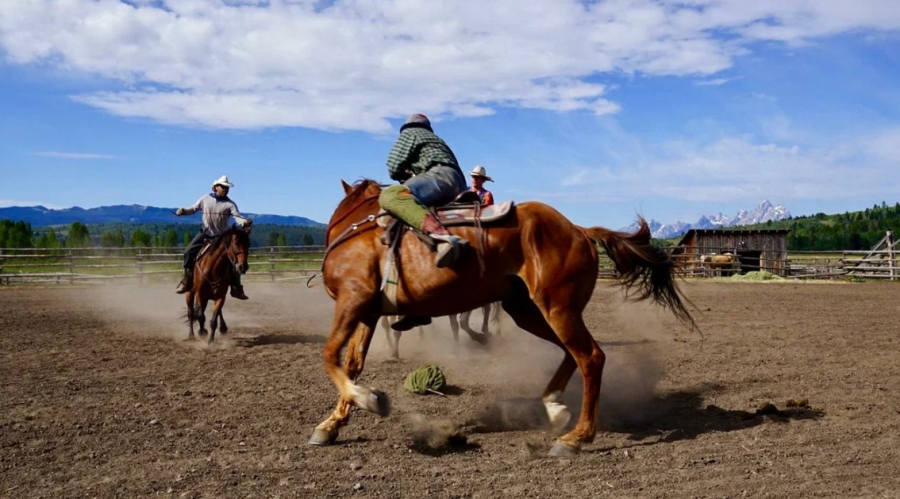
(858, 230)
(20, 234)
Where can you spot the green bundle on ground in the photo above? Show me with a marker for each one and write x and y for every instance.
(426, 379)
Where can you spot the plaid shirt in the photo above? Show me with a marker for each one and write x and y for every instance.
(416, 151)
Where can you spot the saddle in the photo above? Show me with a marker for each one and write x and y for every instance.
(466, 209)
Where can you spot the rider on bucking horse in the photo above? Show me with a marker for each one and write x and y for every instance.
(430, 176)
(217, 210)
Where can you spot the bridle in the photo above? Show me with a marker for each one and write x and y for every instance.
(349, 231)
(233, 255)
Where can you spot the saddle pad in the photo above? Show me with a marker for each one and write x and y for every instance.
(466, 216)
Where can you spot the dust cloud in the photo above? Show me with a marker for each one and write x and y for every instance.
(515, 365)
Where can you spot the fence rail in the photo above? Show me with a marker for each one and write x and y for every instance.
(286, 263)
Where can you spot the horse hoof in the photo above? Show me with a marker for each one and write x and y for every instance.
(559, 424)
(481, 339)
(322, 437)
(379, 403)
(202, 333)
(560, 449)
(223, 330)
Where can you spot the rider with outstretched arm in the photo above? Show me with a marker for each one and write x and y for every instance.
(217, 209)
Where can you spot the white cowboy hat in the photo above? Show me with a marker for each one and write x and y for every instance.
(223, 180)
(479, 171)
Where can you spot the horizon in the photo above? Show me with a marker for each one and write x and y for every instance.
(605, 111)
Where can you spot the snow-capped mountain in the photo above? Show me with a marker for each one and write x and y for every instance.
(763, 213)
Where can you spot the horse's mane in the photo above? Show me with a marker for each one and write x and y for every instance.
(359, 188)
(221, 240)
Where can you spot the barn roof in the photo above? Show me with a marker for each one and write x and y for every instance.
(693, 232)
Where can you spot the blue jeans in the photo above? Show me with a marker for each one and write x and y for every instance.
(436, 187)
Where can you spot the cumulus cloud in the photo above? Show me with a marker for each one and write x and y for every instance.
(355, 64)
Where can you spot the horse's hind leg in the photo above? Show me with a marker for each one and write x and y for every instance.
(528, 316)
(454, 327)
(479, 338)
(486, 312)
(351, 393)
(562, 310)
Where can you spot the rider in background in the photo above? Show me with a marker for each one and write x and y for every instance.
(430, 176)
(217, 210)
(479, 177)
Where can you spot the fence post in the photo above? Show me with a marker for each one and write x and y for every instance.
(272, 263)
(1, 270)
(71, 264)
(889, 240)
(140, 264)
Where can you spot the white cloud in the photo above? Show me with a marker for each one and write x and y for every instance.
(73, 155)
(739, 169)
(354, 64)
(715, 82)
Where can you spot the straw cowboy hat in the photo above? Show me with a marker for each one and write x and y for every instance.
(479, 171)
(223, 181)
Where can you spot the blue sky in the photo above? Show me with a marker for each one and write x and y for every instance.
(602, 109)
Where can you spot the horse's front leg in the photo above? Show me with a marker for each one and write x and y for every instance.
(486, 312)
(223, 328)
(189, 299)
(216, 313)
(345, 379)
(200, 312)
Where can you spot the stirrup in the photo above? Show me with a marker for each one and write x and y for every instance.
(408, 322)
(449, 249)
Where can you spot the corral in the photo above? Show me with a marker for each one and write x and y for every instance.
(788, 393)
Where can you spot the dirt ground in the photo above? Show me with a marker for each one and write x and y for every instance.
(101, 397)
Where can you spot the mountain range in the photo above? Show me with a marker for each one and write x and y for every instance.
(761, 214)
(39, 216)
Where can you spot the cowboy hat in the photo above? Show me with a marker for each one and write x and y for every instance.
(479, 171)
(223, 181)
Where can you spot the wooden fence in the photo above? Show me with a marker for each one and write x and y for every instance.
(290, 263)
(70, 265)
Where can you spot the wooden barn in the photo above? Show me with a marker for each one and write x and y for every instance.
(756, 249)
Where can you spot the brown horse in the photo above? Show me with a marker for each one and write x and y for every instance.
(537, 263)
(212, 277)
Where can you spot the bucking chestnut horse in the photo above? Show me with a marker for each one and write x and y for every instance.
(213, 269)
(539, 265)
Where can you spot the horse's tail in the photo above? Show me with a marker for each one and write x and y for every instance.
(642, 265)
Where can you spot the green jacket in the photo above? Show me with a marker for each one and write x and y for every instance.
(416, 151)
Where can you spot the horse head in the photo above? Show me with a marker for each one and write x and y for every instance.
(238, 248)
(361, 199)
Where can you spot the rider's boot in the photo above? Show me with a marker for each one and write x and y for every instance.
(237, 289)
(408, 322)
(449, 246)
(187, 282)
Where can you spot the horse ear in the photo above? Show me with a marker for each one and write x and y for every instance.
(347, 187)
